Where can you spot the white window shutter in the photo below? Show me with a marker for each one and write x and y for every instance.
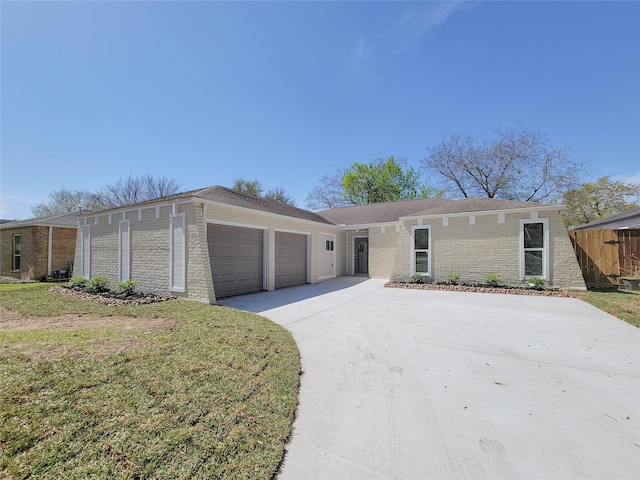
(125, 250)
(178, 253)
(86, 251)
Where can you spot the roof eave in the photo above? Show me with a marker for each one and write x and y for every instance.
(485, 212)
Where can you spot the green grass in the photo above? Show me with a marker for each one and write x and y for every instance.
(624, 305)
(208, 393)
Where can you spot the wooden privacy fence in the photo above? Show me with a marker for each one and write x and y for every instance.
(606, 255)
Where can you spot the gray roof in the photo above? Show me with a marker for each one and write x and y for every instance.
(60, 220)
(232, 197)
(380, 212)
(228, 196)
(473, 204)
(354, 215)
(624, 220)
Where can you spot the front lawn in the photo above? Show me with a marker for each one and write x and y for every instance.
(173, 390)
(622, 304)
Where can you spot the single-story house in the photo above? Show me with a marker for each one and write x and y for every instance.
(39, 247)
(215, 242)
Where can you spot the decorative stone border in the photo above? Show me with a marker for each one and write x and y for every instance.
(478, 289)
(144, 299)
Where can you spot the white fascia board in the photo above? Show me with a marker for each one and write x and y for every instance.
(545, 208)
(364, 226)
(125, 210)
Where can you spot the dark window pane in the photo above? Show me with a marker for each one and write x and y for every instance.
(533, 263)
(533, 235)
(422, 262)
(421, 237)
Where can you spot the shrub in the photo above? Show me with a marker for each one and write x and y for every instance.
(98, 285)
(416, 278)
(493, 279)
(536, 283)
(453, 278)
(77, 282)
(126, 288)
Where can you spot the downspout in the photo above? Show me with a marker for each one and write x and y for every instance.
(49, 251)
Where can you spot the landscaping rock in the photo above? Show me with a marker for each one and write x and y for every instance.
(479, 289)
(140, 299)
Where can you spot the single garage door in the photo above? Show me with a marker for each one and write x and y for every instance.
(236, 256)
(291, 259)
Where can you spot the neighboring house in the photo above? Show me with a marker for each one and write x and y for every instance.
(608, 249)
(39, 247)
(216, 242)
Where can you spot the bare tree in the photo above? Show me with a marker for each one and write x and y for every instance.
(129, 190)
(328, 193)
(520, 164)
(124, 191)
(66, 201)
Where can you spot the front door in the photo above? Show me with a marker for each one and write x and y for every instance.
(362, 256)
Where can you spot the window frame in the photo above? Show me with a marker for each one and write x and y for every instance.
(329, 245)
(415, 250)
(15, 255)
(544, 249)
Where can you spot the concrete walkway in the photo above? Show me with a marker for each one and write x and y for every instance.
(430, 384)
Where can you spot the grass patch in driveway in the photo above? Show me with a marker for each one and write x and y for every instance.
(175, 389)
(621, 304)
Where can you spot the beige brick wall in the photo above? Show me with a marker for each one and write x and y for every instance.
(150, 248)
(382, 251)
(565, 269)
(150, 245)
(474, 250)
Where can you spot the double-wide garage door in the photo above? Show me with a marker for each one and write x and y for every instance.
(237, 259)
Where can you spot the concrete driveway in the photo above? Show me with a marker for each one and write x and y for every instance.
(428, 384)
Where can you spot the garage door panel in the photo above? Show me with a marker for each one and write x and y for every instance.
(291, 259)
(236, 256)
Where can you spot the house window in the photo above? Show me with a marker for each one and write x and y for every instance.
(420, 249)
(17, 251)
(177, 253)
(534, 243)
(328, 245)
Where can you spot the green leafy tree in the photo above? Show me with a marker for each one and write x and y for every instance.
(362, 183)
(380, 181)
(254, 187)
(279, 195)
(250, 187)
(520, 164)
(595, 200)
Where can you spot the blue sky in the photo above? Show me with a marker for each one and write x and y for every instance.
(286, 92)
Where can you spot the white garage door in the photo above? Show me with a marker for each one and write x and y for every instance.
(236, 256)
(291, 259)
